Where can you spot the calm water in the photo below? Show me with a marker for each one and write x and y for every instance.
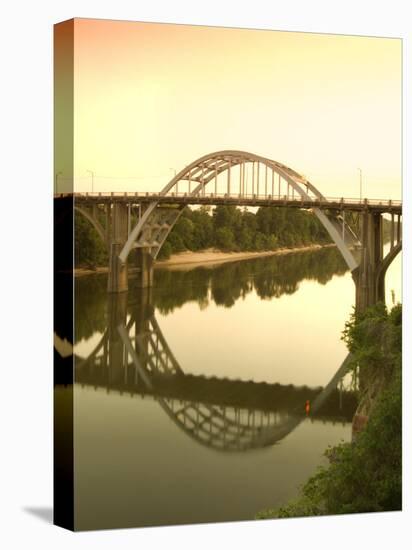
(190, 398)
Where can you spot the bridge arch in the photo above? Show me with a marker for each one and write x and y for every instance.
(204, 170)
(94, 222)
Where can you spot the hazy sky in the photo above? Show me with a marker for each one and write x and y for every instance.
(154, 97)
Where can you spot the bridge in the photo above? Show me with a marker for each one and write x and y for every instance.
(134, 359)
(139, 223)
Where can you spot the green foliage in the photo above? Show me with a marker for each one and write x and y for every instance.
(166, 251)
(184, 229)
(230, 229)
(89, 248)
(226, 216)
(224, 239)
(260, 241)
(203, 228)
(176, 242)
(271, 242)
(365, 475)
(374, 337)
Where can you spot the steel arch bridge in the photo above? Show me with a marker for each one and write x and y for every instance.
(134, 356)
(243, 179)
(198, 177)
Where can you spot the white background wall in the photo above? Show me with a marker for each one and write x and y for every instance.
(26, 271)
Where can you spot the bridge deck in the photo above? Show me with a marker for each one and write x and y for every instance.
(331, 203)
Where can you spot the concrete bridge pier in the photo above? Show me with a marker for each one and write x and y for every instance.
(368, 277)
(117, 279)
(145, 265)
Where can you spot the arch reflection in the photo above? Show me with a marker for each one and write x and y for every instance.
(133, 357)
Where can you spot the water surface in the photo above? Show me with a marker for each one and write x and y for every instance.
(190, 398)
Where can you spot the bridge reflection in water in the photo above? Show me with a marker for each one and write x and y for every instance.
(134, 358)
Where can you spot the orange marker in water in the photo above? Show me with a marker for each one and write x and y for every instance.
(307, 407)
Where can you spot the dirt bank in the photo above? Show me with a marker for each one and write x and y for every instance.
(210, 257)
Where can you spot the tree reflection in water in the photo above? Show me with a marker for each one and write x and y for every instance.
(270, 277)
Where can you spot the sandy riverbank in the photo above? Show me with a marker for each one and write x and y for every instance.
(208, 258)
(211, 257)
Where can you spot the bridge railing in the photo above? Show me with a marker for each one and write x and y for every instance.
(236, 196)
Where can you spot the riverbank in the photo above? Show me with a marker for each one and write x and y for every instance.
(207, 258)
(213, 256)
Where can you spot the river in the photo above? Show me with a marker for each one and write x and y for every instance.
(189, 402)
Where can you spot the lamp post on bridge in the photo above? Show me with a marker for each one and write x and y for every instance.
(92, 174)
(360, 184)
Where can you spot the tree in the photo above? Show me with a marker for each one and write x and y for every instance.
(184, 228)
(203, 229)
(245, 238)
(272, 242)
(224, 239)
(176, 242)
(89, 248)
(260, 241)
(165, 252)
(226, 216)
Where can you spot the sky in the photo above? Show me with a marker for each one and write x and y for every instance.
(151, 98)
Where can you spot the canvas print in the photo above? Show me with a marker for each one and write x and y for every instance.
(227, 290)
